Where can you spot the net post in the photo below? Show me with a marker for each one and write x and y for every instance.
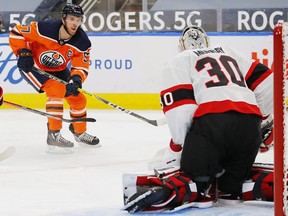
(278, 121)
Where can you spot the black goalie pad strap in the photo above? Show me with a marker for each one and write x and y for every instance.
(257, 192)
(188, 191)
(174, 187)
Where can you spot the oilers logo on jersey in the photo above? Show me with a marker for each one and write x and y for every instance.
(52, 59)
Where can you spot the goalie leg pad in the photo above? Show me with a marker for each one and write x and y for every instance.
(143, 200)
(133, 182)
(130, 181)
(260, 186)
(168, 192)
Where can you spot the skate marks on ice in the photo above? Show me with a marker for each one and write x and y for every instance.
(8, 152)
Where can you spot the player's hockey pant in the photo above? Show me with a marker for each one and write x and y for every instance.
(226, 141)
(55, 93)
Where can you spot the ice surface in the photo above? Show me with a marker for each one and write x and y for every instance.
(87, 182)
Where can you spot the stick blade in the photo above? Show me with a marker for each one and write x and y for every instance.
(159, 122)
(81, 120)
(90, 120)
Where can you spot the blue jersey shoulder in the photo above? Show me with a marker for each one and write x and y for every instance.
(80, 40)
(50, 28)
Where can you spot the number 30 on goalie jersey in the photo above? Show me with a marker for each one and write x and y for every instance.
(219, 80)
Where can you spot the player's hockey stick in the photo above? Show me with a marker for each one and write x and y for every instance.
(7, 153)
(49, 115)
(158, 122)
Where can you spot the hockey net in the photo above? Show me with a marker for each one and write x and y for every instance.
(281, 118)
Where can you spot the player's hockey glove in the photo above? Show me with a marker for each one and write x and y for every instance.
(166, 157)
(1, 96)
(74, 83)
(25, 60)
(267, 137)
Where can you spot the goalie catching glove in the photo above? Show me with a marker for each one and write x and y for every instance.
(166, 157)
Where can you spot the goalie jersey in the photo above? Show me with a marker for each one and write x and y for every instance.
(213, 80)
(50, 53)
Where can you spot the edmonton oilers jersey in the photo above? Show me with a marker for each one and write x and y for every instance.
(50, 53)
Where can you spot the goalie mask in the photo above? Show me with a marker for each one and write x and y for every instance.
(193, 37)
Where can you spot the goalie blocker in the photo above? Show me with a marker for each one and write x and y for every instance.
(172, 191)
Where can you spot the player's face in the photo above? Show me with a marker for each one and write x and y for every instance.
(72, 23)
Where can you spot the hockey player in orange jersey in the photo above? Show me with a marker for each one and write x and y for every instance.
(52, 45)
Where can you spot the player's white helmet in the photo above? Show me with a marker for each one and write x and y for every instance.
(193, 37)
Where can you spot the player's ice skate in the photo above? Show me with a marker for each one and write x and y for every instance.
(85, 139)
(57, 143)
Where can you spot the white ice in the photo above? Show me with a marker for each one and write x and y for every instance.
(87, 182)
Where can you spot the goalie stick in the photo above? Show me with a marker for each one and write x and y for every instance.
(268, 166)
(49, 115)
(7, 153)
(158, 122)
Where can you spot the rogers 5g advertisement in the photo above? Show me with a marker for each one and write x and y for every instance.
(230, 20)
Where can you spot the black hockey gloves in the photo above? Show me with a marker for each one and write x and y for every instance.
(1, 96)
(25, 59)
(75, 82)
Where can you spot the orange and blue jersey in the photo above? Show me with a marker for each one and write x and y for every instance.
(50, 53)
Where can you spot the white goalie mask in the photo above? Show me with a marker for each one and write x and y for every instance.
(193, 37)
